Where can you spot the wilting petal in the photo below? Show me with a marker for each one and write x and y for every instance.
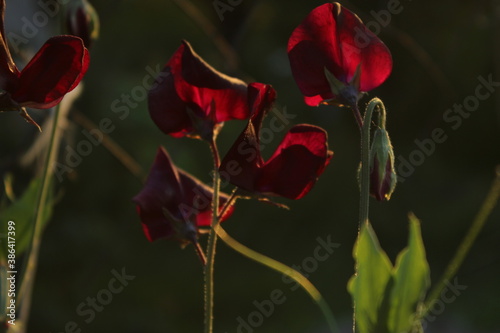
(261, 99)
(334, 38)
(55, 70)
(166, 108)
(296, 164)
(202, 87)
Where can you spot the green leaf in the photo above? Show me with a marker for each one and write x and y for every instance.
(411, 280)
(388, 299)
(368, 287)
(22, 213)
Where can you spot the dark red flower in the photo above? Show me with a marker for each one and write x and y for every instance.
(295, 165)
(189, 97)
(334, 39)
(55, 70)
(173, 204)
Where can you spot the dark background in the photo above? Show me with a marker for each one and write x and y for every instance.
(439, 51)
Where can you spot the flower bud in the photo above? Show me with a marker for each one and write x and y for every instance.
(382, 174)
(82, 21)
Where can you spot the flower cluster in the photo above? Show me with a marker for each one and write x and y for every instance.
(192, 99)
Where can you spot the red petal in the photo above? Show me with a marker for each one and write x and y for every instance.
(261, 98)
(200, 85)
(360, 45)
(333, 37)
(242, 163)
(55, 70)
(162, 190)
(166, 108)
(296, 164)
(197, 199)
(184, 196)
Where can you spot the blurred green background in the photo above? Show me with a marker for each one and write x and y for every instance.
(439, 50)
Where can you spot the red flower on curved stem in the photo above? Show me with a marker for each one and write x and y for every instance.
(55, 70)
(333, 55)
(191, 98)
(173, 204)
(294, 167)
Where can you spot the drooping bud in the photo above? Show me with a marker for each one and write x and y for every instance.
(82, 21)
(382, 173)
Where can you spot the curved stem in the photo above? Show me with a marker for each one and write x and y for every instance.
(365, 157)
(212, 241)
(28, 277)
(283, 269)
(364, 193)
(466, 244)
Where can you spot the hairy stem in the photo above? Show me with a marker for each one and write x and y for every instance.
(364, 177)
(212, 241)
(28, 277)
(365, 158)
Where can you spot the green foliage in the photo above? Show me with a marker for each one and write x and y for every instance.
(388, 298)
(22, 212)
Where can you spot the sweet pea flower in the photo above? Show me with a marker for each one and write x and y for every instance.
(190, 98)
(294, 167)
(335, 57)
(55, 70)
(173, 204)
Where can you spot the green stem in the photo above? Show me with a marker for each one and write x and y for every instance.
(477, 225)
(212, 241)
(364, 198)
(283, 269)
(357, 116)
(28, 278)
(364, 193)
